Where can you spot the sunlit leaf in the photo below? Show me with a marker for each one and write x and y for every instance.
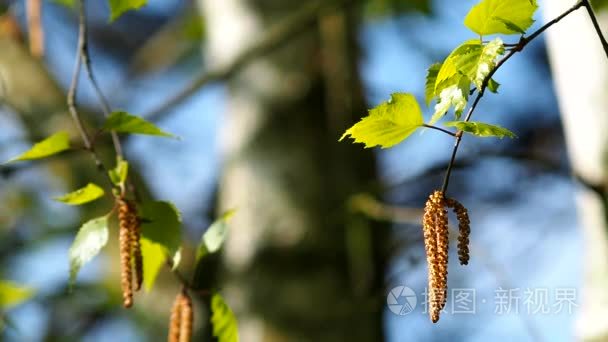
(501, 16)
(118, 7)
(90, 239)
(511, 25)
(389, 123)
(481, 129)
(449, 70)
(223, 321)
(118, 175)
(431, 79)
(12, 294)
(214, 236)
(123, 122)
(480, 61)
(161, 237)
(54, 144)
(84, 195)
(154, 258)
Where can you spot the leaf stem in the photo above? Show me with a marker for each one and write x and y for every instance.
(439, 129)
(523, 41)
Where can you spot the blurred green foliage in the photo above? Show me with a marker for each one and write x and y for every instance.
(599, 4)
(382, 8)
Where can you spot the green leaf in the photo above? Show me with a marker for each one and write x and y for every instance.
(161, 237)
(123, 122)
(154, 257)
(511, 25)
(12, 294)
(389, 123)
(118, 7)
(90, 239)
(481, 129)
(118, 175)
(431, 79)
(54, 144)
(501, 16)
(455, 95)
(84, 195)
(479, 61)
(449, 70)
(223, 321)
(493, 85)
(214, 236)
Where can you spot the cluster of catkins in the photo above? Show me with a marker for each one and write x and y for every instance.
(180, 326)
(131, 272)
(436, 241)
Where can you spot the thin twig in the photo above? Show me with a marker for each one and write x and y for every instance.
(520, 46)
(71, 96)
(105, 105)
(439, 129)
(277, 36)
(596, 25)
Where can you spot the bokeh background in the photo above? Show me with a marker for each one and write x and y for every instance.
(294, 100)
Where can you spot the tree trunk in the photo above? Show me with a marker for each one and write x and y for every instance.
(580, 72)
(299, 265)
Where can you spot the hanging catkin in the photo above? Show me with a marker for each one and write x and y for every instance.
(138, 265)
(436, 244)
(180, 324)
(441, 226)
(175, 320)
(187, 317)
(464, 228)
(125, 222)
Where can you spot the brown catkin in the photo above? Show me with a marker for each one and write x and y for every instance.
(441, 226)
(175, 321)
(464, 228)
(187, 317)
(435, 228)
(430, 243)
(138, 263)
(128, 222)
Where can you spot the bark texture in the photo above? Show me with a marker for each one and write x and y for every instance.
(580, 72)
(300, 266)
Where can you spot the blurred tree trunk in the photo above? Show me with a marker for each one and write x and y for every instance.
(580, 72)
(299, 266)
